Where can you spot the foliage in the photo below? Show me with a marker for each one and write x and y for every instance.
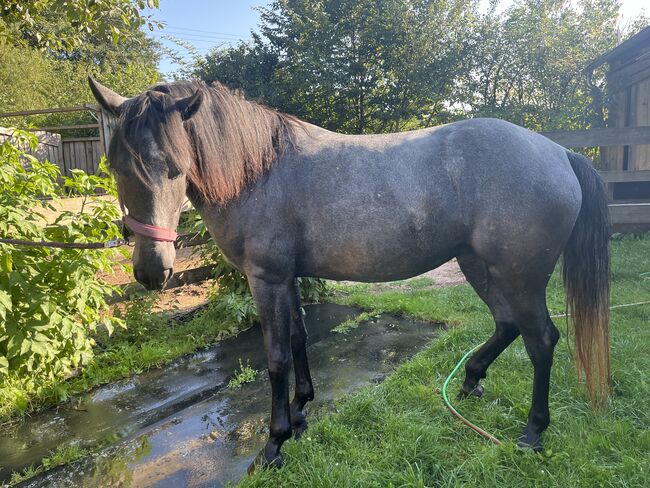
(526, 63)
(377, 66)
(139, 317)
(32, 79)
(236, 308)
(56, 24)
(353, 65)
(48, 49)
(50, 298)
(245, 374)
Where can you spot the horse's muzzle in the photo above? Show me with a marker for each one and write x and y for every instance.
(152, 279)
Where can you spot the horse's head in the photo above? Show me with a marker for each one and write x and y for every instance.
(151, 172)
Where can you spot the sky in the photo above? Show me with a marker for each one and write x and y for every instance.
(208, 23)
(204, 24)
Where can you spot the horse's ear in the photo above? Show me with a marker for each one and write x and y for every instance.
(190, 105)
(107, 98)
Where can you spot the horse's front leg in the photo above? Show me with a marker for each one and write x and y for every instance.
(273, 299)
(304, 387)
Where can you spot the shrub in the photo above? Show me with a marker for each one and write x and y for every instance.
(245, 374)
(50, 299)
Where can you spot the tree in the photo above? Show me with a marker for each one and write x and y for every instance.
(32, 78)
(64, 25)
(249, 67)
(351, 65)
(527, 63)
(388, 65)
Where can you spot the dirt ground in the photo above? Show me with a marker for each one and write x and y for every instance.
(449, 274)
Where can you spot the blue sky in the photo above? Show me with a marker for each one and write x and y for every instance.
(208, 23)
(204, 24)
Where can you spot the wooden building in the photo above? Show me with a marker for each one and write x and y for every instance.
(628, 97)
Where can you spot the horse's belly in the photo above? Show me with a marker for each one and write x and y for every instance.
(374, 253)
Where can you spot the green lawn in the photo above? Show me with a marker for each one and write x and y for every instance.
(400, 433)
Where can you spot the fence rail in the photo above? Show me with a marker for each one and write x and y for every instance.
(601, 137)
(72, 153)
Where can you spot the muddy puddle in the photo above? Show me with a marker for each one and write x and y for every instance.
(183, 426)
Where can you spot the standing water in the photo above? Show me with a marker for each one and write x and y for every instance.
(183, 426)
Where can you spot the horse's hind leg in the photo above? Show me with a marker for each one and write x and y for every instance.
(304, 389)
(476, 272)
(517, 301)
(540, 337)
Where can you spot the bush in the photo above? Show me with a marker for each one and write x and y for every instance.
(50, 299)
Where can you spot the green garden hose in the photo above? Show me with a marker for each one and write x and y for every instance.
(455, 413)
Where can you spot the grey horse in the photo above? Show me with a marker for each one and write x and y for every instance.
(285, 199)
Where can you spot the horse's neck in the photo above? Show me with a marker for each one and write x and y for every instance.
(214, 216)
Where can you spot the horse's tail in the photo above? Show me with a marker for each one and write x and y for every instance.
(586, 280)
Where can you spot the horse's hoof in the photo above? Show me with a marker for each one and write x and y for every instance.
(298, 424)
(261, 462)
(477, 391)
(528, 441)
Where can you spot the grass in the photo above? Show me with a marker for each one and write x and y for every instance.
(246, 374)
(354, 322)
(399, 433)
(149, 342)
(63, 455)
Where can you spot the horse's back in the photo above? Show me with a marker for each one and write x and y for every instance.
(386, 207)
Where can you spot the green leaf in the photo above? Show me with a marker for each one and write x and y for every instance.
(5, 304)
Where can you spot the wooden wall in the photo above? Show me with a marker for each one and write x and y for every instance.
(629, 96)
(83, 153)
(49, 146)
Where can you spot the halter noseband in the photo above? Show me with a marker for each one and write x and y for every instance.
(145, 230)
(150, 231)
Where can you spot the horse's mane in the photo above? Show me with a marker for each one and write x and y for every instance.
(226, 145)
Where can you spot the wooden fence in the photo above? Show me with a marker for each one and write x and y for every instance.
(629, 191)
(81, 153)
(49, 145)
(68, 153)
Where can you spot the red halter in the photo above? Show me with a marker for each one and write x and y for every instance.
(150, 231)
(146, 230)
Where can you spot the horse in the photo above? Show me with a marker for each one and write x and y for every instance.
(285, 199)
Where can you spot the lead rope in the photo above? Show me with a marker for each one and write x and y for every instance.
(469, 424)
(67, 245)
